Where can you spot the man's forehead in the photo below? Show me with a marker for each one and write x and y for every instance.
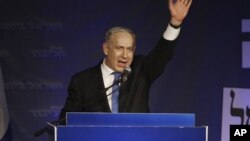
(122, 34)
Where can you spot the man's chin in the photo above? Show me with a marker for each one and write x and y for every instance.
(120, 69)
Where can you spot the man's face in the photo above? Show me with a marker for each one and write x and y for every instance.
(119, 51)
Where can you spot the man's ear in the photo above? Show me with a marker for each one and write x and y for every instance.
(105, 48)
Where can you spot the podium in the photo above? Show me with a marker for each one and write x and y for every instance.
(129, 127)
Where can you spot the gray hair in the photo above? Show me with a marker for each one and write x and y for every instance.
(116, 29)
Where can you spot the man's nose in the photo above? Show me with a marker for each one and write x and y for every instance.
(125, 53)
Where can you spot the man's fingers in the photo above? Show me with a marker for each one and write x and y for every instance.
(186, 2)
(189, 3)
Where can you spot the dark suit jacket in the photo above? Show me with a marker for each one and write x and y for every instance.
(86, 89)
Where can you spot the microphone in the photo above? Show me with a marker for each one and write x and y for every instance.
(126, 73)
(123, 78)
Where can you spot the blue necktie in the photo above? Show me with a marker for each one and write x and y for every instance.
(115, 93)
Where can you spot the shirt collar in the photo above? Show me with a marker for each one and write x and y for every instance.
(106, 71)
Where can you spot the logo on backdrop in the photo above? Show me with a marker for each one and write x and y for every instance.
(236, 109)
(236, 103)
(51, 111)
(33, 23)
(34, 85)
(52, 52)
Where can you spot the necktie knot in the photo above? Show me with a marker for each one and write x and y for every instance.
(117, 75)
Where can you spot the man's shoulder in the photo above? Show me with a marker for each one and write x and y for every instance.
(138, 59)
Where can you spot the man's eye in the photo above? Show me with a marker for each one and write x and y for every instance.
(119, 48)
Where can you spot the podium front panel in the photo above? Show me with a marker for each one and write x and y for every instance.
(113, 133)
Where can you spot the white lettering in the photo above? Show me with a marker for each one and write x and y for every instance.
(239, 132)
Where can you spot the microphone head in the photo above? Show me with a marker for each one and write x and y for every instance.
(125, 73)
(127, 70)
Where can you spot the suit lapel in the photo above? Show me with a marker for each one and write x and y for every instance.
(100, 86)
(124, 94)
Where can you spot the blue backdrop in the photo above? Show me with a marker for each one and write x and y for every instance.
(42, 43)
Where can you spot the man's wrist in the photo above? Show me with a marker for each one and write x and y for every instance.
(171, 33)
(174, 26)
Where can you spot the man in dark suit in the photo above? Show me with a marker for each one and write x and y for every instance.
(87, 93)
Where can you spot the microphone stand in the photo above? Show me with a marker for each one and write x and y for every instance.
(116, 82)
(46, 128)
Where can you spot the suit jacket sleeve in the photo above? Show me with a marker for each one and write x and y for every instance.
(73, 101)
(155, 62)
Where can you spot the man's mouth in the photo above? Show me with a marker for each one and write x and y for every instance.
(122, 63)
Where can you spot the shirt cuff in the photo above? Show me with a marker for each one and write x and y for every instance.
(171, 33)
